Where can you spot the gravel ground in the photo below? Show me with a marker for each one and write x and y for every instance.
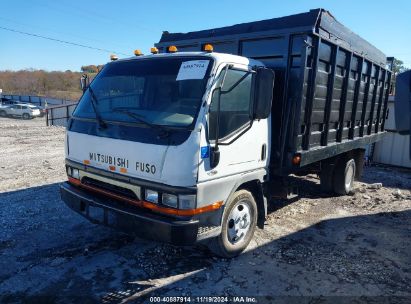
(316, 246)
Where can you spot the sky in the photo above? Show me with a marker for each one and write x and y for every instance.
(122, 26)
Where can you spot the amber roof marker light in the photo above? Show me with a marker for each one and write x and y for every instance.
(138, 53)
(154, 50)
(208, 48)
(172, 49)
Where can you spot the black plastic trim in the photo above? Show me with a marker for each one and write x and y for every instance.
(142, 223)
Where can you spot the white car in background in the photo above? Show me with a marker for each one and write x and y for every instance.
(25, 111)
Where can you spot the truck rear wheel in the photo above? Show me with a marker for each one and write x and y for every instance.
(3, 113)
(238, 225)
(344, 176)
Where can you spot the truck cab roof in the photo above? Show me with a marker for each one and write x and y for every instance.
(218, 57)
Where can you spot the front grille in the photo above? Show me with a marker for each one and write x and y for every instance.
(109, 187)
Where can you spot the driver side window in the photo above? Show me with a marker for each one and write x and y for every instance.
(235, 104)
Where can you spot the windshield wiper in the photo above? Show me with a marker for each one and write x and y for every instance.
(94, 102)
(140, 118)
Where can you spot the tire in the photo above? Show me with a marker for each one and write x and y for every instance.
(236, 234)
(3, 113)
(344, 176)
(26, 116)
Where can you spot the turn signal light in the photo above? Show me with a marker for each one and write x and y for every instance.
(172, 49)
(208, 48)
(138, 53)
(154, 50)
(296, 160)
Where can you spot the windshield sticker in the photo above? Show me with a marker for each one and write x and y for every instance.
(194, 69)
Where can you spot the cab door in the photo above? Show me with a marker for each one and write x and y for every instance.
(242, 141)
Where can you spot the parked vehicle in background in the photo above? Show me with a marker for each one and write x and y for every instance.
(403, 105)
(8, 101)
(25, 111)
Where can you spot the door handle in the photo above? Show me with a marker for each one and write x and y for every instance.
(263, 151)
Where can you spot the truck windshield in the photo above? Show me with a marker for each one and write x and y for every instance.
(159, 91)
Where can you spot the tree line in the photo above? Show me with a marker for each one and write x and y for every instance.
(66, 85)
(91, 68)
(55, 84)
(63, 85)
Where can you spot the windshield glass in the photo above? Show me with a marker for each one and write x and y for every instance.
(159, 91)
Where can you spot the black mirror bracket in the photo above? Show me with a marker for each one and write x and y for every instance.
(215, 151)
(214, 156)
(84, 82)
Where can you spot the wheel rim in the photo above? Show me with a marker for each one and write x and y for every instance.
(349, 176)
(239, 222)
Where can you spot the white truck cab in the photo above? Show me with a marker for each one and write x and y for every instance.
(173, 147)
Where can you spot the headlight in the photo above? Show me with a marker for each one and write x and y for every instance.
(151, 196)
(72, 172)
(187, 201)
(75, 173)
(170, 200)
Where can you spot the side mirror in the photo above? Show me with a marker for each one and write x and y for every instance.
(84, 82)
(263, 97)
(402, 102)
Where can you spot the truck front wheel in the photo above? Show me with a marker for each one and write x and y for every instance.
(238, 225)
(344, 176)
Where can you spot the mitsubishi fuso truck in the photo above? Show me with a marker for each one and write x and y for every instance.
(189, 143)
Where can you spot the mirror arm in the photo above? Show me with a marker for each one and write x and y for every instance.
(220, 86)
(236, 84)
(215, 153)
(84, 81)
(217, 129)
(225, 74)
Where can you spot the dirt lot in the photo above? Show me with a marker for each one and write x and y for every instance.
(318, 247)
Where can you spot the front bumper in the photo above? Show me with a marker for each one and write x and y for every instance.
(130, 219)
